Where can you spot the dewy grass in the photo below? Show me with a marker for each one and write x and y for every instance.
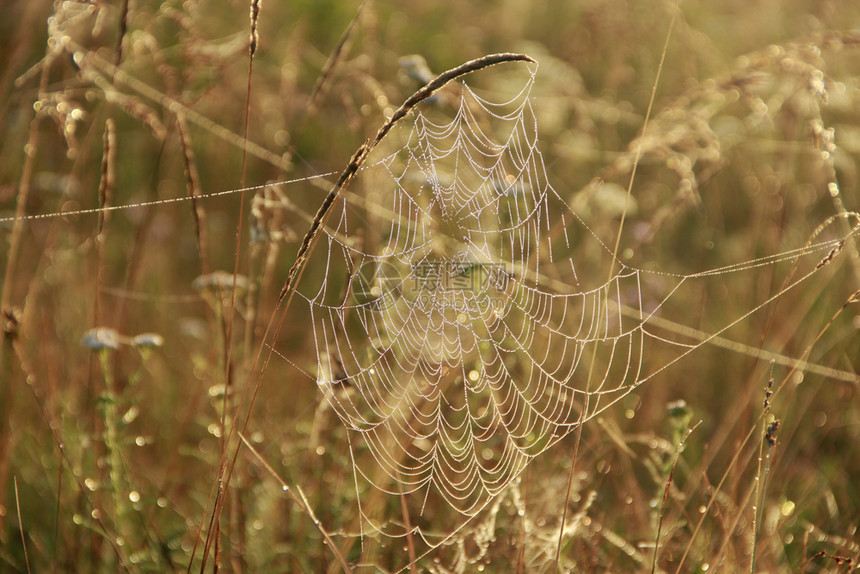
(106, 342)
(766, 443)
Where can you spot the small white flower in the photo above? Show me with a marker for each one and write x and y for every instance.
(101, 338)
(147, 340)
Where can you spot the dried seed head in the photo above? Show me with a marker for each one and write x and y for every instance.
(770, 435)
(11, 322)
(255, 16)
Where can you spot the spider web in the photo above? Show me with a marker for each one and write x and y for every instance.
(466, 319)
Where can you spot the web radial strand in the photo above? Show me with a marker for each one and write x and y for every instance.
(463, 321)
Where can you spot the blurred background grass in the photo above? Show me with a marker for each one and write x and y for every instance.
(732, 169)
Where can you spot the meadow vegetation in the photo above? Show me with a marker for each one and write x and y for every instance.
(129, 344)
